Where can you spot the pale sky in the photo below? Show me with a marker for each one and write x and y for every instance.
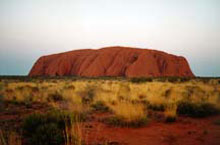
(32, 28)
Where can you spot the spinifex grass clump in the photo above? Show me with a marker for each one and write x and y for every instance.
(170, 113)
(156, 103)
(128, 114)
(49, 128)
(196, 109)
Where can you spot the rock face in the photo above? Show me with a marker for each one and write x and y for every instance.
(112, 61)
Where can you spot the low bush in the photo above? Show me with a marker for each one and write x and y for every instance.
(89, 95)
(71, 87)
(141, 80)
(170, 114)
(196, 110)
(47, 134)
(47, 129)
(1, 86)
(156, 107)
(1, 103)
(55, 97)
(100, 106)
(217, 122)
(35, 89)
(173, 79)
(121, 122)
(170, 119)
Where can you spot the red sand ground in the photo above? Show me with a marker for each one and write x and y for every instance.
(186, 131)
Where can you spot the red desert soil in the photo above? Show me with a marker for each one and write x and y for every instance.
(112, 61)
(186, 131)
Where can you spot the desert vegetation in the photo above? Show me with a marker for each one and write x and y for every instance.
(57, 111)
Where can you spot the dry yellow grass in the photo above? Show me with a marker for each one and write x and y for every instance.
(128, 111)
(110, 91)
(170, 111)
(128, 101)
(73, 134)
(12, 139)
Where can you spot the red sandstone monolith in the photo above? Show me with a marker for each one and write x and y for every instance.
(112, 61)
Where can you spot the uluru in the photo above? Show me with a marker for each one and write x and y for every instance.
(112, 61)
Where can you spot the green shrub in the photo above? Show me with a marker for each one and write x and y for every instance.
(156, 107)
(35, 89)
(89, 95)
(1, 86)
(170, 119)
(48, 134)
(120, 122)
(172, 79)
(196, 110)
(1, 97)
(1, 103)
(217, 122)
(100, 106)
(55, 97)
(47, 129)
(71, 87)
(141, 80)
